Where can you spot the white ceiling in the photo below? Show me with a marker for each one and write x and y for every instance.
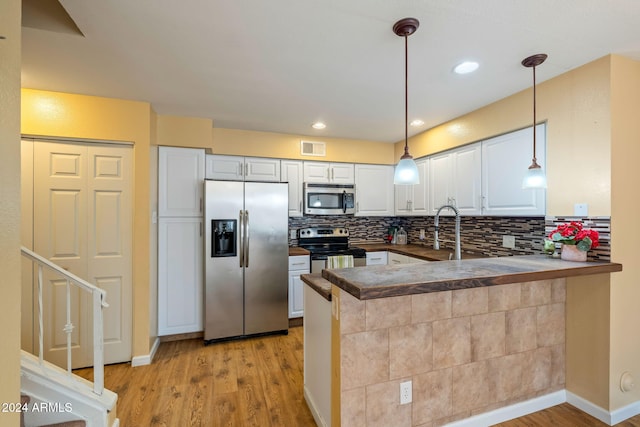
(280, 65)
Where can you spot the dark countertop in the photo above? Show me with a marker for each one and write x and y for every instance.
(295, 251)
(318, 284)
(425, 252)
(381, 281)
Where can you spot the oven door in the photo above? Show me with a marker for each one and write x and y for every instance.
(327, 199)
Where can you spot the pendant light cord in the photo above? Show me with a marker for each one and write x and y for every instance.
(406, 95)
(534, 116)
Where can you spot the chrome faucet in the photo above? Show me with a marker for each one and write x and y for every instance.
(436, 243)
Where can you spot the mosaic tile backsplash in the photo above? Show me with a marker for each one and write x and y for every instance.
(479, 234)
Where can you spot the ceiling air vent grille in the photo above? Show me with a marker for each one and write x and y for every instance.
(313, 148)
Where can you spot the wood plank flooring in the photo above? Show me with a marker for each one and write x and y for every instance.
(252, 382)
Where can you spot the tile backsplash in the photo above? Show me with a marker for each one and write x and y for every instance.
(479, 234)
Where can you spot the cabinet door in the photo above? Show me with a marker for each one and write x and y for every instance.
(342, 173)
(297, 265)
(316, 172)
(420, 197)
(440, 177)
(374, 190)
(466, 179)
(505, 160)
(180, 286)
(395, 258)
(291, 173)
(229, 168)
(403, 199)
(261, 169)
(377, 258)
(180, 181)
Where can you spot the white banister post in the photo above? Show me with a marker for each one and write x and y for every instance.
(98, 343)
(68, 327)
(40, 319)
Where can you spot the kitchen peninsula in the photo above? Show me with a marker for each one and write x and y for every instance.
(472, 337)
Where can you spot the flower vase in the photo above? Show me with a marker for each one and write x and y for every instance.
(572, 253)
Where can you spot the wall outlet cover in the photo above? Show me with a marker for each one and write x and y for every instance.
(581, 209)
(509, 242)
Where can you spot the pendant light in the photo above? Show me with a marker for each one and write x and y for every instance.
(406, 169)
(535, 177)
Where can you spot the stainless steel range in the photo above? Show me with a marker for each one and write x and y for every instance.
(324, 241)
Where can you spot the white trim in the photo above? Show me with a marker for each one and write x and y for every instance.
(625, 412)
(588, 407)
(312, 407)
(72, 140)
(148, 358)
(512, 411)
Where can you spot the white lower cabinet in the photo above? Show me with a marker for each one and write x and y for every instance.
(395, 258)
(298, 264)
(377, 258)
(180, 276)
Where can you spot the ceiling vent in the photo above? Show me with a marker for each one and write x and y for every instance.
(313, 148)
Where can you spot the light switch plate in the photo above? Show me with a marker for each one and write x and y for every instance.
(580, 209)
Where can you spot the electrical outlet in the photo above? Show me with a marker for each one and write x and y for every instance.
(581, 209)
(405, 392)
(293, 234)
(509, 242)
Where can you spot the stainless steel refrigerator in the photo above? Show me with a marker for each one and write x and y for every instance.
(246, 259)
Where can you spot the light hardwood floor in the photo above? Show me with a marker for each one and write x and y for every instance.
(251, 382)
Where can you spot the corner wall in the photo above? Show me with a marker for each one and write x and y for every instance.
(56, 114)
(10, 264)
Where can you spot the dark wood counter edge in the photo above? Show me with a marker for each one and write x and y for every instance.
(297, 251)
(372, 292)
(318, 284)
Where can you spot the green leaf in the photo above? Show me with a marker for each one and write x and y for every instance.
(584, 244)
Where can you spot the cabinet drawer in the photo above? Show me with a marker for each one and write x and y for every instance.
(299, 262)
(377, 258)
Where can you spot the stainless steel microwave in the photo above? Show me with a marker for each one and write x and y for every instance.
(329, 199)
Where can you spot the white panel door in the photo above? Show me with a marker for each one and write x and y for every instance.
(467, 177)
(109, 252)
(440, 175)
(82, 221)
(261, 169)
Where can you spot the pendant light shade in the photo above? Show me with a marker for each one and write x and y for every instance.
(535, 176)
(406, 169)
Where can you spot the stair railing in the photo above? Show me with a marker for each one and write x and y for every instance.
(98, 304)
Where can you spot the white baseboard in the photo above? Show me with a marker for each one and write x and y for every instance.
(512, 411)
(148, 358)
(610, 418)
(314, 410)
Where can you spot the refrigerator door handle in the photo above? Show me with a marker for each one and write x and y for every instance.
(241, 238)
(246, 239)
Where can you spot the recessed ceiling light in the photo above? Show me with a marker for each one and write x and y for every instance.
(318, 125)
(466, 67)
(417, 122)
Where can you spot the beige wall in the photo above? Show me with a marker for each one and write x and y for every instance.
(279, 145)
(576, 108)
(64, 115)
(625, 233)
(10, 206)
(184, 132)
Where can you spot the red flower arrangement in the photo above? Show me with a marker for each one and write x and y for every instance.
(574, 234)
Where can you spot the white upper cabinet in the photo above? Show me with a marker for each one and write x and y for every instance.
(325, 172)
(238, 168)
(467, 177)
(454, 179)
(414, 199)
(292, 174)
(180, 181)
(505, 160)
(374, 190)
